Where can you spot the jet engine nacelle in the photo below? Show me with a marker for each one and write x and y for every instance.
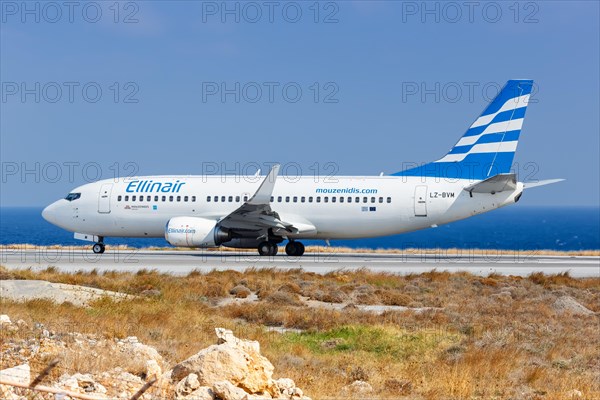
(195, 232)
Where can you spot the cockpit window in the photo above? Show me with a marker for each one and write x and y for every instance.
(73, 196)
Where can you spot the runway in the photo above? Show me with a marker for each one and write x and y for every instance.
(182, 262)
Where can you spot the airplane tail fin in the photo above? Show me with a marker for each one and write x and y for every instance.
(488, 147)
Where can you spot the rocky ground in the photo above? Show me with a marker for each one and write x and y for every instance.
(231, 369)
(347, 334)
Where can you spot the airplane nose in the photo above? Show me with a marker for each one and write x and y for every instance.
(49, 213)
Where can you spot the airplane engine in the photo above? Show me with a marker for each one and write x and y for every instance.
(195, 232)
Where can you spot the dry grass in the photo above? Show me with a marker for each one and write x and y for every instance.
(495, 337)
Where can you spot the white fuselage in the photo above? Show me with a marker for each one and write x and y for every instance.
(335, 208)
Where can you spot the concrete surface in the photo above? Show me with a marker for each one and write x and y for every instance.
(182, 262)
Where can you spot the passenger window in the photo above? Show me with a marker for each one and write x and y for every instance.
(237, 199)
(149, 198)
(170, 198)
(279, 199)
(310, 199)
(341, 199)
(164, 198)
(318, 199)
(185, 198)
(333, 199)
(349, 199)
(119, 198)
(208, 199)
(272, 199)
(133, 198)
(381, 199)
(245, 198)
(287, 199)
(357, 200)
(372, 199)
(326, 199)
(295, 199)
(126, 198)
(178, 198)
(230, 199)
(223, 198)
(365, 200)
(303, 199)
(155, 198)
(141, 198)
(389, 199)
(216, 199)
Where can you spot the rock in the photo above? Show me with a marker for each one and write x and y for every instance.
(234, 360)
(575, 394)
(202, 393)
(79, 382)
(261, 396)
(227, 391)
(331, 344)
(19, 374)
(6, 393)
(227, 336)
(86, 382)
(357, 388)
(293, 392)
(187, 385)
(567, 304)
(502, 296)
(152, 369)
(22, 324)
(240, 291)
(119, 381)
(411, 289)
(284, 384)
(151, 293)
(5, 320)
(68, 382)
(137, 350)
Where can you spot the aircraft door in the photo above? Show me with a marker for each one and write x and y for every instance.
(104, 198)
(421, 201)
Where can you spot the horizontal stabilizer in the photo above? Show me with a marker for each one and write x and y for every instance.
(529, 185)
(496, 183)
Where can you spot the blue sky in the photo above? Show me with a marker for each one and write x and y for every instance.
(161, 67)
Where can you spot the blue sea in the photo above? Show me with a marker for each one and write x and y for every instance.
(511, 228)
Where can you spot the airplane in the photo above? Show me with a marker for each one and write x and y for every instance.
(254, 212)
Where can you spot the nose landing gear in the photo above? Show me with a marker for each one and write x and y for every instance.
(98, 248)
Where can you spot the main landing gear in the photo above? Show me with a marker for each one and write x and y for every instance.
(267, 249)
(292, 249)
(98, 248)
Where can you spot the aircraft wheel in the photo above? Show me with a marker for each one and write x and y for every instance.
(98, 248)
(294, 249)
(299, 249)
(274, 250)
(290, 249)
(265, 249)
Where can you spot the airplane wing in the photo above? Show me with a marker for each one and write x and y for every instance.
(256, 213)
(495, 184)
